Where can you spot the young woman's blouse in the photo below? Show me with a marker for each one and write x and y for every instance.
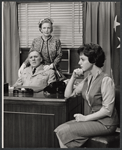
(107, 91)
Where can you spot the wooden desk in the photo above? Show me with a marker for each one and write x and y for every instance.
(30, 120)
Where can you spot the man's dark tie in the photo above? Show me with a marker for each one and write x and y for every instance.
(33, 71)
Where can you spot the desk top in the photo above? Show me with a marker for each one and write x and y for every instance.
(41, 96)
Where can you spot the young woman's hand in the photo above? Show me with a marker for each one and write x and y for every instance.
(23, 66)
(77, 73)
(79, 117)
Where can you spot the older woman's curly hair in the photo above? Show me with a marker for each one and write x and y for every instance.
(46, 20)
(94, 52)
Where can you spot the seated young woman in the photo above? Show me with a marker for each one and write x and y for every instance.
(98, 91)
(35, 76)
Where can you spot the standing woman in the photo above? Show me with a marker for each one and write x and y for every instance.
(49, 46)
(98, 91)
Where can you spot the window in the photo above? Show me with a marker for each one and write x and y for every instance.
(67, 16)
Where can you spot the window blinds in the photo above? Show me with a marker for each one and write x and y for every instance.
(67, 17)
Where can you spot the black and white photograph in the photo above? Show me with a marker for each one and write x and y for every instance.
(61, 74)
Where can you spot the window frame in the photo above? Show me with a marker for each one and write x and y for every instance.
(63, 44)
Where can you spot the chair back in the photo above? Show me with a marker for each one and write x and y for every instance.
(117, 102)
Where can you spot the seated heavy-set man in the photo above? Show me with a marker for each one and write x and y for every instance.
(34, 75)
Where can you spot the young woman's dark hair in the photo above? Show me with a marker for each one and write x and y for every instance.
(94, 52)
